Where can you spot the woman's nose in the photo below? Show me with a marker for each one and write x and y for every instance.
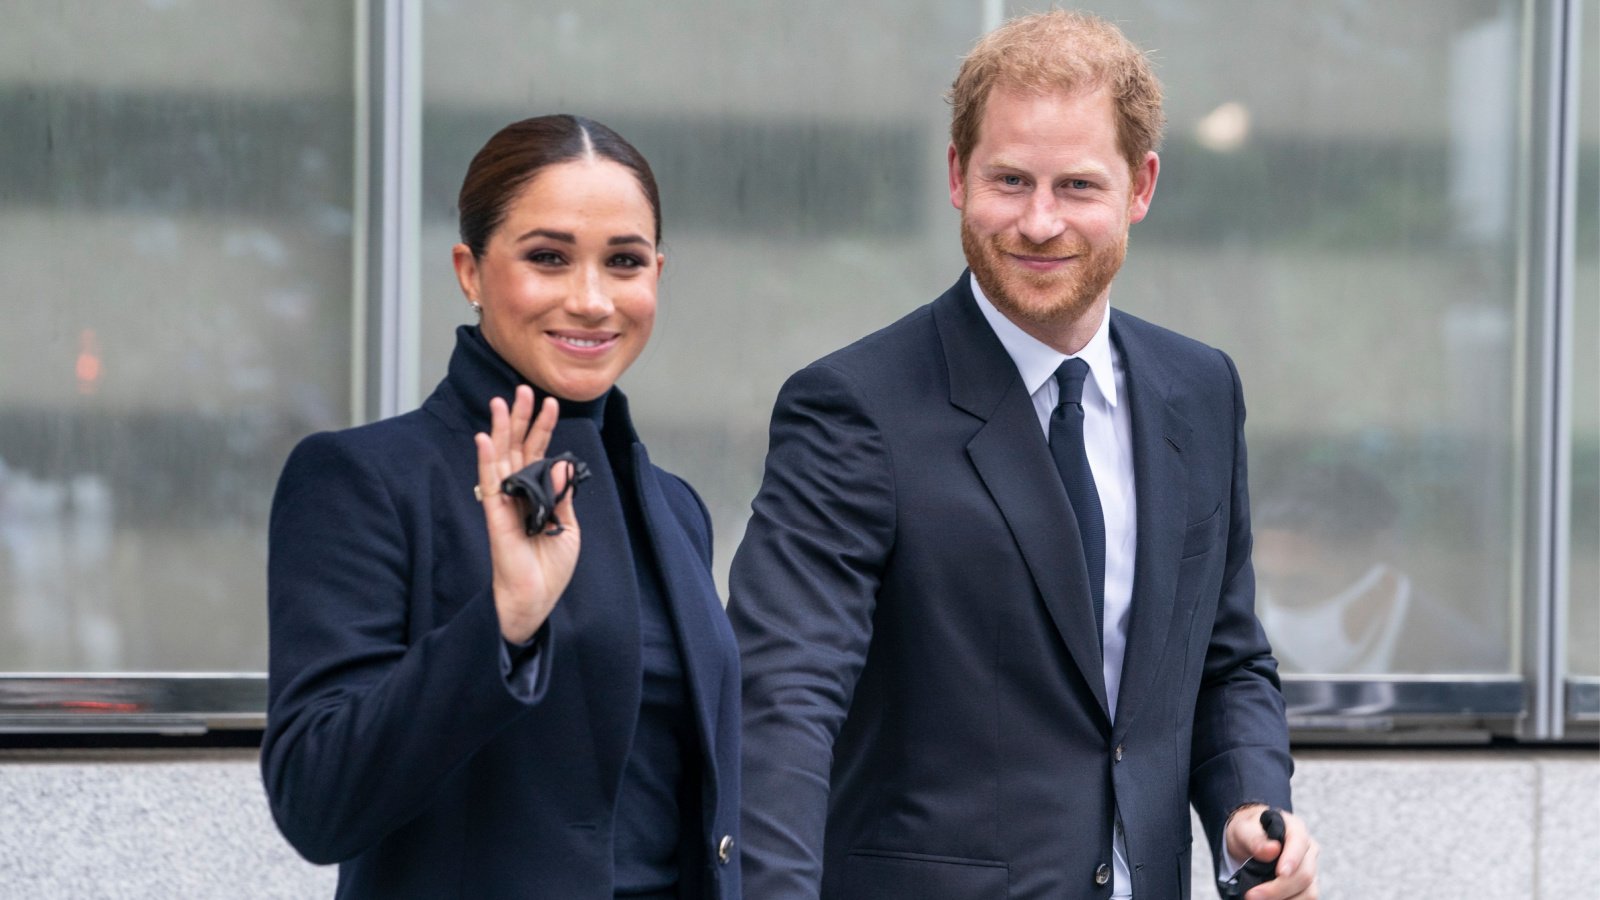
(588, 297)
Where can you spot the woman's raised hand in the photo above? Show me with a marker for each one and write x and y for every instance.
(530, 572)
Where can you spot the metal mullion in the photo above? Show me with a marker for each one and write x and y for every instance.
(1546, 365)
(361, 208)
(131, 702)
(1561, 296)
(395, 161)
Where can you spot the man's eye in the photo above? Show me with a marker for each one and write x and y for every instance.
(1078, 184)
(1011, 180)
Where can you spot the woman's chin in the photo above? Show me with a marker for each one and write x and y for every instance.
(577, 389)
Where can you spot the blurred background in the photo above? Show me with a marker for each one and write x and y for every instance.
(224, 226)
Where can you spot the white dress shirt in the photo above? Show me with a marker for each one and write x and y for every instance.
(1108, 441)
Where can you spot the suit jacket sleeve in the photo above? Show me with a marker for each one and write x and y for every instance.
(802, 592)
(365, 720)
(1240, 752)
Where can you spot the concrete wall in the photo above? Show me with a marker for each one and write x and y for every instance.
(1458, 825)
(137, 824)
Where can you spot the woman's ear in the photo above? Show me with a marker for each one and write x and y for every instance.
(466, 266)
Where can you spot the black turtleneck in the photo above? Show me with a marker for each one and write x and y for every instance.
(656, 808)
(658, 805)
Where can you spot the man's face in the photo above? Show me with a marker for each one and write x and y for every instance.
(1046, 199)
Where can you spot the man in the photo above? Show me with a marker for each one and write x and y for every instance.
(1333, 587)
(929, 708)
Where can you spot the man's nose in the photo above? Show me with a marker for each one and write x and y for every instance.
(1042, 220)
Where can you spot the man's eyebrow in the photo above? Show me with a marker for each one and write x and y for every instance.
(1080, 170)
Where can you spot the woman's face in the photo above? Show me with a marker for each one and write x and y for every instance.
(567, 283)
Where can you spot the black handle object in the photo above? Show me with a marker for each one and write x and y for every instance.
(537, 496)
(1256, 871)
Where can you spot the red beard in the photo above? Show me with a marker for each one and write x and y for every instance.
(1050, 298)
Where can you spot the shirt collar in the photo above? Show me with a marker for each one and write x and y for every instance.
(1037, 361)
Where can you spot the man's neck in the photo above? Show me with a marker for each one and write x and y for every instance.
(1067, 335)
(1071, 337)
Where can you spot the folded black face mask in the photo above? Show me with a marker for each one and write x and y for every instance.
(1256, 871)
(537, 496)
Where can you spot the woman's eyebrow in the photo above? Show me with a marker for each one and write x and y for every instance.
(563, 236)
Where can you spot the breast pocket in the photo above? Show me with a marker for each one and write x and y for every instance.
(893, 875)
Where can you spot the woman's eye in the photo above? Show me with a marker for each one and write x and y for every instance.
(545, 258)
(626, 261)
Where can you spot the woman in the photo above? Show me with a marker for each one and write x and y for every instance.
(459, 709)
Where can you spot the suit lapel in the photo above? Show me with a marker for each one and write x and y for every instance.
(687, 584)
(606, 606)
(1012, 457)
(1160, 476)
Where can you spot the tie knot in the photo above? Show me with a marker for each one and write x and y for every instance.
(1070, 376)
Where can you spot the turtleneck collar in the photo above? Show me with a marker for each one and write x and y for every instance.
(594, 410)
(477, 373)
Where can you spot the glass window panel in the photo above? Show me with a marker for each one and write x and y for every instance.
(1583, 644)
(175, 234)
(800, 154)
(1340, 208)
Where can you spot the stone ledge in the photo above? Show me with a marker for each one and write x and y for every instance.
(1479, 823)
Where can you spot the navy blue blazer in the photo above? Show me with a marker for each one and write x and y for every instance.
(925, 715)
(397, 743)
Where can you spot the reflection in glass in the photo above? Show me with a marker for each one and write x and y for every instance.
(800, 154)
(1335, 592)
(175, 235)
(1339, 210)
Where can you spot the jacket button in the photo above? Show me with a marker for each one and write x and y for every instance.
(725, 849)
(1102, 874)
(1117, 753)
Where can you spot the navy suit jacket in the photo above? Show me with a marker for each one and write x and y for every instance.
(396, 742)
(925, 715)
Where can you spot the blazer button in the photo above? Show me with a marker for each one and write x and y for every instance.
(1102, 874)
(1117, 753)
(725, 849)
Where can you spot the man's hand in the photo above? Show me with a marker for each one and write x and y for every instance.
(1297, 861)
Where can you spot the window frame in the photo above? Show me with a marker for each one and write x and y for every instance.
(1541, 701)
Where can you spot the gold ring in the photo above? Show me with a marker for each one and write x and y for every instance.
(477, 493)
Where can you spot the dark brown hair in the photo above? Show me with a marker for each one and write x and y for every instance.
(521, 150)
(1060, 51)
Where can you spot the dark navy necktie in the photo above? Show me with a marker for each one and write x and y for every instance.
(1066, 445)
